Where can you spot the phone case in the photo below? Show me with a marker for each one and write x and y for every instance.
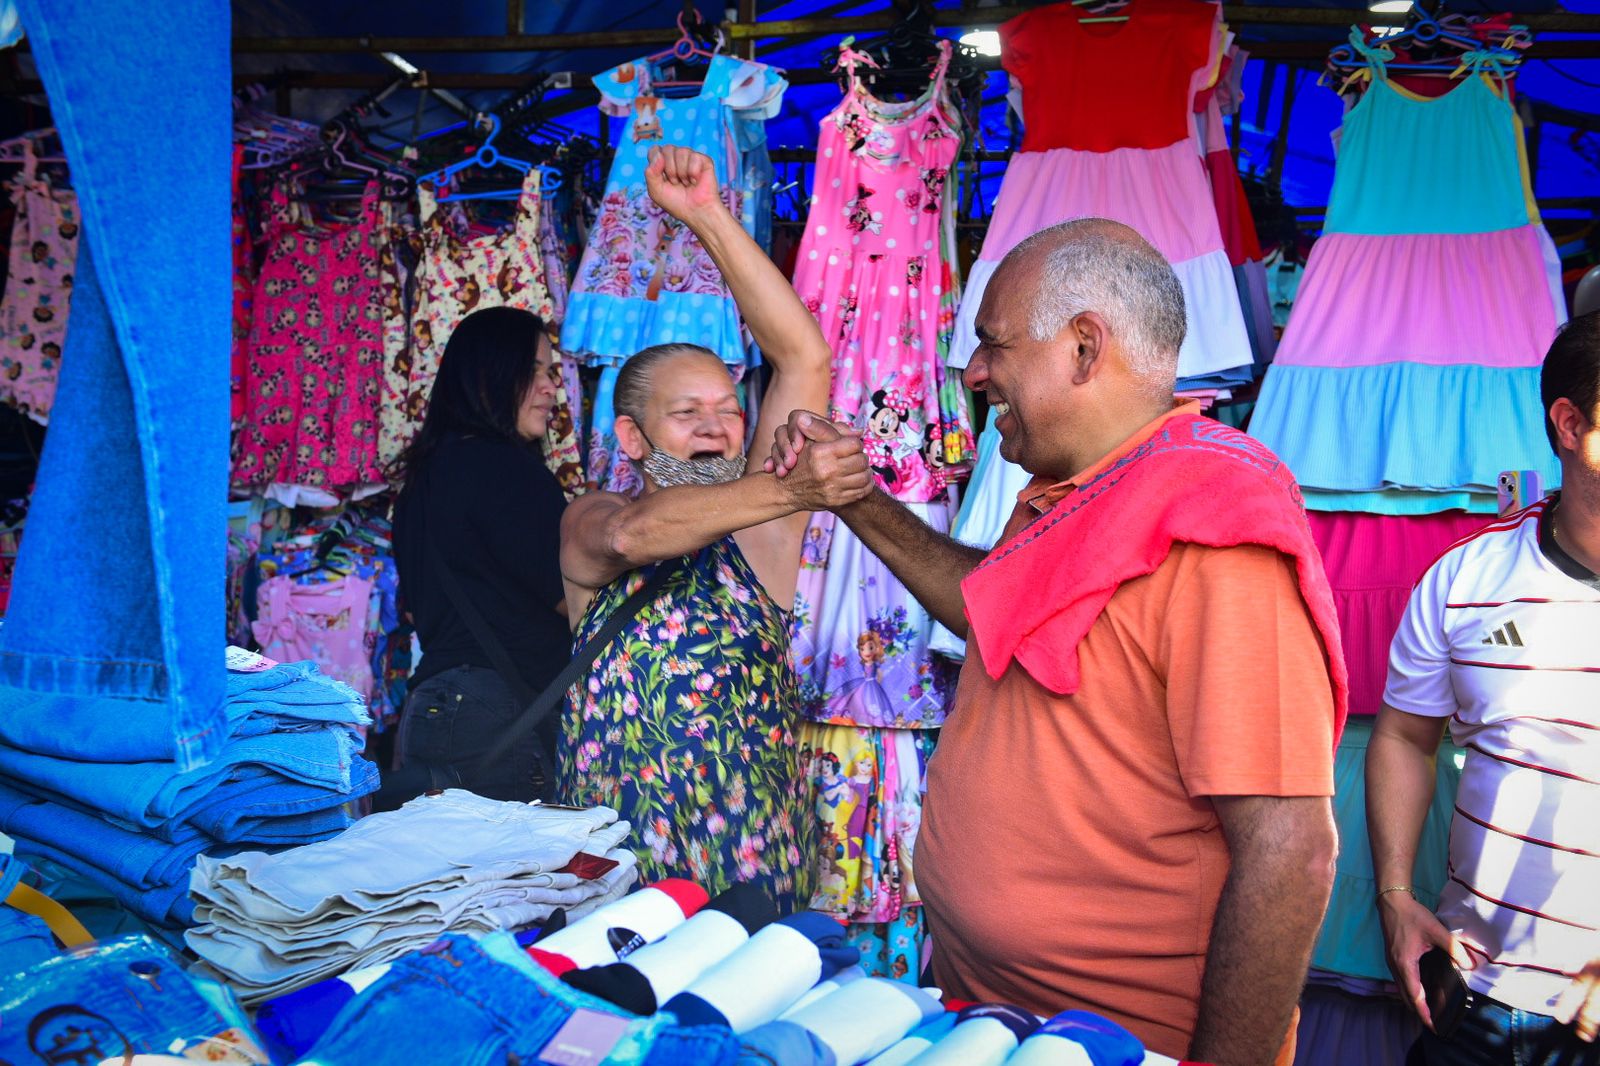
(1445, 991)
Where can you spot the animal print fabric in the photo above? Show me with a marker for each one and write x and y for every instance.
(460, 273)
(33, 317)
(316, 348)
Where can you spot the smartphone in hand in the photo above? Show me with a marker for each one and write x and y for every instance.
(1444, 990)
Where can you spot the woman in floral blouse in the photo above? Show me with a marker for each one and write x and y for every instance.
(686, 722)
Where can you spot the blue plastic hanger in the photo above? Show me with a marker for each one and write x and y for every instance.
(1426, 30)
(487, 157)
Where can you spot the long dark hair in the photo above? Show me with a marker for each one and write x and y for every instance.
(486, 370)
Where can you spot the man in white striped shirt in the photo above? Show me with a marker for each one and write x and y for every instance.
(1501, 640)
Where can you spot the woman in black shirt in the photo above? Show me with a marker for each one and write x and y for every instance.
(479, 506)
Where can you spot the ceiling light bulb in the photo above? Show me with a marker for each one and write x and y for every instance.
(987, 42)
(1389, 7)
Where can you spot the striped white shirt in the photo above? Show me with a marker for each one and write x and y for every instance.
(1502, 636)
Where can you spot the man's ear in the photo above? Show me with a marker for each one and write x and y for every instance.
(1088, 335)
(631, 438)
(1569, 423)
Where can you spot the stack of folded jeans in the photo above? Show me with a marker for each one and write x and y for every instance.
(396, 881)
(137, 827)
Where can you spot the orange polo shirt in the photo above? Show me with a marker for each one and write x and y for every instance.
(1070, 857)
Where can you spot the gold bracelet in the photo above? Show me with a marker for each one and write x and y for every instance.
(1397, 888)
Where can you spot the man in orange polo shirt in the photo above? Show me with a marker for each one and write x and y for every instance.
(1128, 810)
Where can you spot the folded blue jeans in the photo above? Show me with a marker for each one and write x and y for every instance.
(116, 589)
(147, 794)
(258, 805)
(289, 697)
(138, 859)
(166, 905)
(24, 939)
(485, 1001)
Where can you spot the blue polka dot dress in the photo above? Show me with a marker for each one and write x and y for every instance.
(644, 278)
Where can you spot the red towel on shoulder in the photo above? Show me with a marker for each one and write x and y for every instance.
(1036, 595)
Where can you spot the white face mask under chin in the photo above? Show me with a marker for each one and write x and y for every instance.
(668, 470)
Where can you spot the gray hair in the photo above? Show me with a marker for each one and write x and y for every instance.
(1094, 264)
(638, 376)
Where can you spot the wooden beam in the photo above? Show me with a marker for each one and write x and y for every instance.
(1238, 15)
(749, 12)
(515, 21)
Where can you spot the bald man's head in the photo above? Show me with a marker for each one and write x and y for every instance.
(1095, 264)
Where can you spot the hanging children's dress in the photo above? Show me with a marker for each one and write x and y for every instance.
(316, 351)
(1415, 403)
(1406, 381)
(244, 284)
(458, 274)
(1110, 133)
(1239, 236)
(874, 266)
(33, 316)
(644, 278)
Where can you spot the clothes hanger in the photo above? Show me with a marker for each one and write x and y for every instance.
(487, 157)
(688, 48)
(1426, 34)
(17, 149)
(1102, 10)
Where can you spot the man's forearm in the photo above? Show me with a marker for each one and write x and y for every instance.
(1400, 787)
(928, 563)
(1261, 939)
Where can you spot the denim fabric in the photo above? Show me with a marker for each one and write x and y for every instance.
(470, 1001)
(149, 793)
(24, 941)
(1493, 1034)
(116, 590)
(784, 1044)
(285, 698)
(459, 718)
(125, 997)
(259, 805)
(141, 861)
(88, 900)
(164, 905)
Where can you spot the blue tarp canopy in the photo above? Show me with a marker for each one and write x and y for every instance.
(1567, 156)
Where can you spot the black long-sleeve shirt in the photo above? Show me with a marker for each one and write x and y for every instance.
(491, 510)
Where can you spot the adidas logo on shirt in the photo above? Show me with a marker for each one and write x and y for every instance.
(1505, 635)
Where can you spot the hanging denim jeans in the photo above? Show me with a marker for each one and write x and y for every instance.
(117, 588)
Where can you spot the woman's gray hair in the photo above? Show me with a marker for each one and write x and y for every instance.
(638, 375)
(1091, 264)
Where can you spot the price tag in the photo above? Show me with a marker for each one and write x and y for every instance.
(240, 661)
(585, 1040)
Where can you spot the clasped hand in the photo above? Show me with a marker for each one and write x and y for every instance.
(822, 464)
